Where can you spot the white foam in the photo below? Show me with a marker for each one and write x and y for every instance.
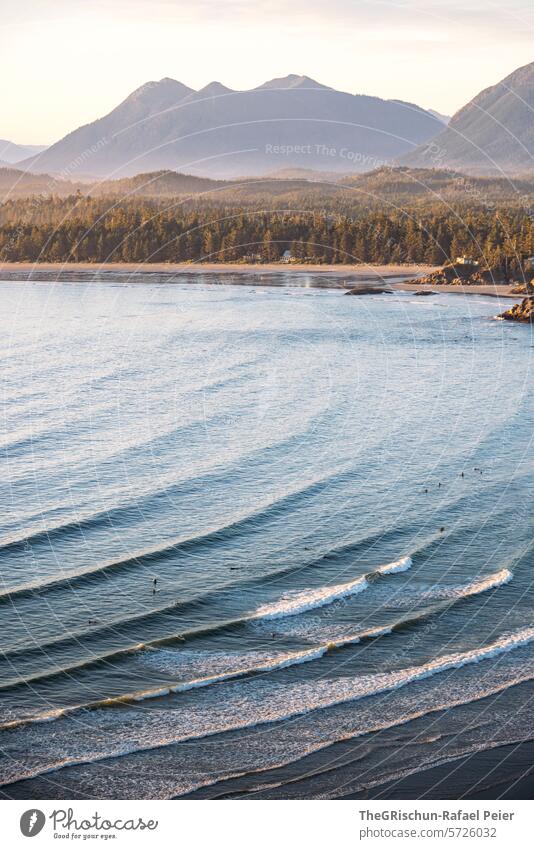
(285, 701)
(320, 629)
(438, 592)
(497, 579)
(206, 668)
(289, 604)
(401, 565)
(249, 663)
(293, 603)
(115, 733)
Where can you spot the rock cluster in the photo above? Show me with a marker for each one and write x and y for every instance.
(457, 274)
(523, 288)
(521, 312)
(369, 289)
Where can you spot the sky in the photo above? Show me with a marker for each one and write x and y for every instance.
(68, 62)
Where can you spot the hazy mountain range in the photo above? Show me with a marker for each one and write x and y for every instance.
(290, 126)
(398, 185)
(288, 122)
(11, 153)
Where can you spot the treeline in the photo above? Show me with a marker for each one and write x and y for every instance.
(80, 229)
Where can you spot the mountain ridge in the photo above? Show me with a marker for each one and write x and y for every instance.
(12, 154)
(295, 187)
(221, 133)
(492, 133)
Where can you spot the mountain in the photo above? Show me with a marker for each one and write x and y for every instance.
(408, 185)
(15, 183)
(11, 153)
(157, 184)
(289, 122)
(304, 174)
(493, 133)
(291, 188)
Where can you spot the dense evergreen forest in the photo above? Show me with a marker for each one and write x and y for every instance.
(83, 228)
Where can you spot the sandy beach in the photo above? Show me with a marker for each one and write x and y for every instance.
(363, 272)
(496, 291)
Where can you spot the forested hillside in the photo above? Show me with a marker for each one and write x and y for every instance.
(87, 229)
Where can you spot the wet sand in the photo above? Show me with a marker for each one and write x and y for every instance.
(502, 772)
(492, 291)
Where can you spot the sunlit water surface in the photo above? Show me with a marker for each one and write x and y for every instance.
(268, 533)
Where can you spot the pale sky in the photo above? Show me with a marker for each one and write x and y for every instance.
(67, 62)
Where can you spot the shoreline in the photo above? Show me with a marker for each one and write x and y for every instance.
(497, 290)
(502, 771)
(357, 272)
(329, 276)
(193, 267)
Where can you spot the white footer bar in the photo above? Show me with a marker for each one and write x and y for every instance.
(267, 825)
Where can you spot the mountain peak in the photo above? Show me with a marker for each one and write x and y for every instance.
(217, 131)
(490, 134)
(521, 75)
(166, 87)
(292, 81)
(213, 89)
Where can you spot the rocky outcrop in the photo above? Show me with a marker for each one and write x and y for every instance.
(461, 274)
(369, 289)
(523, 288)
(521, 312)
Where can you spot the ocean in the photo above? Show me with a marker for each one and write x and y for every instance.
(259, 541)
